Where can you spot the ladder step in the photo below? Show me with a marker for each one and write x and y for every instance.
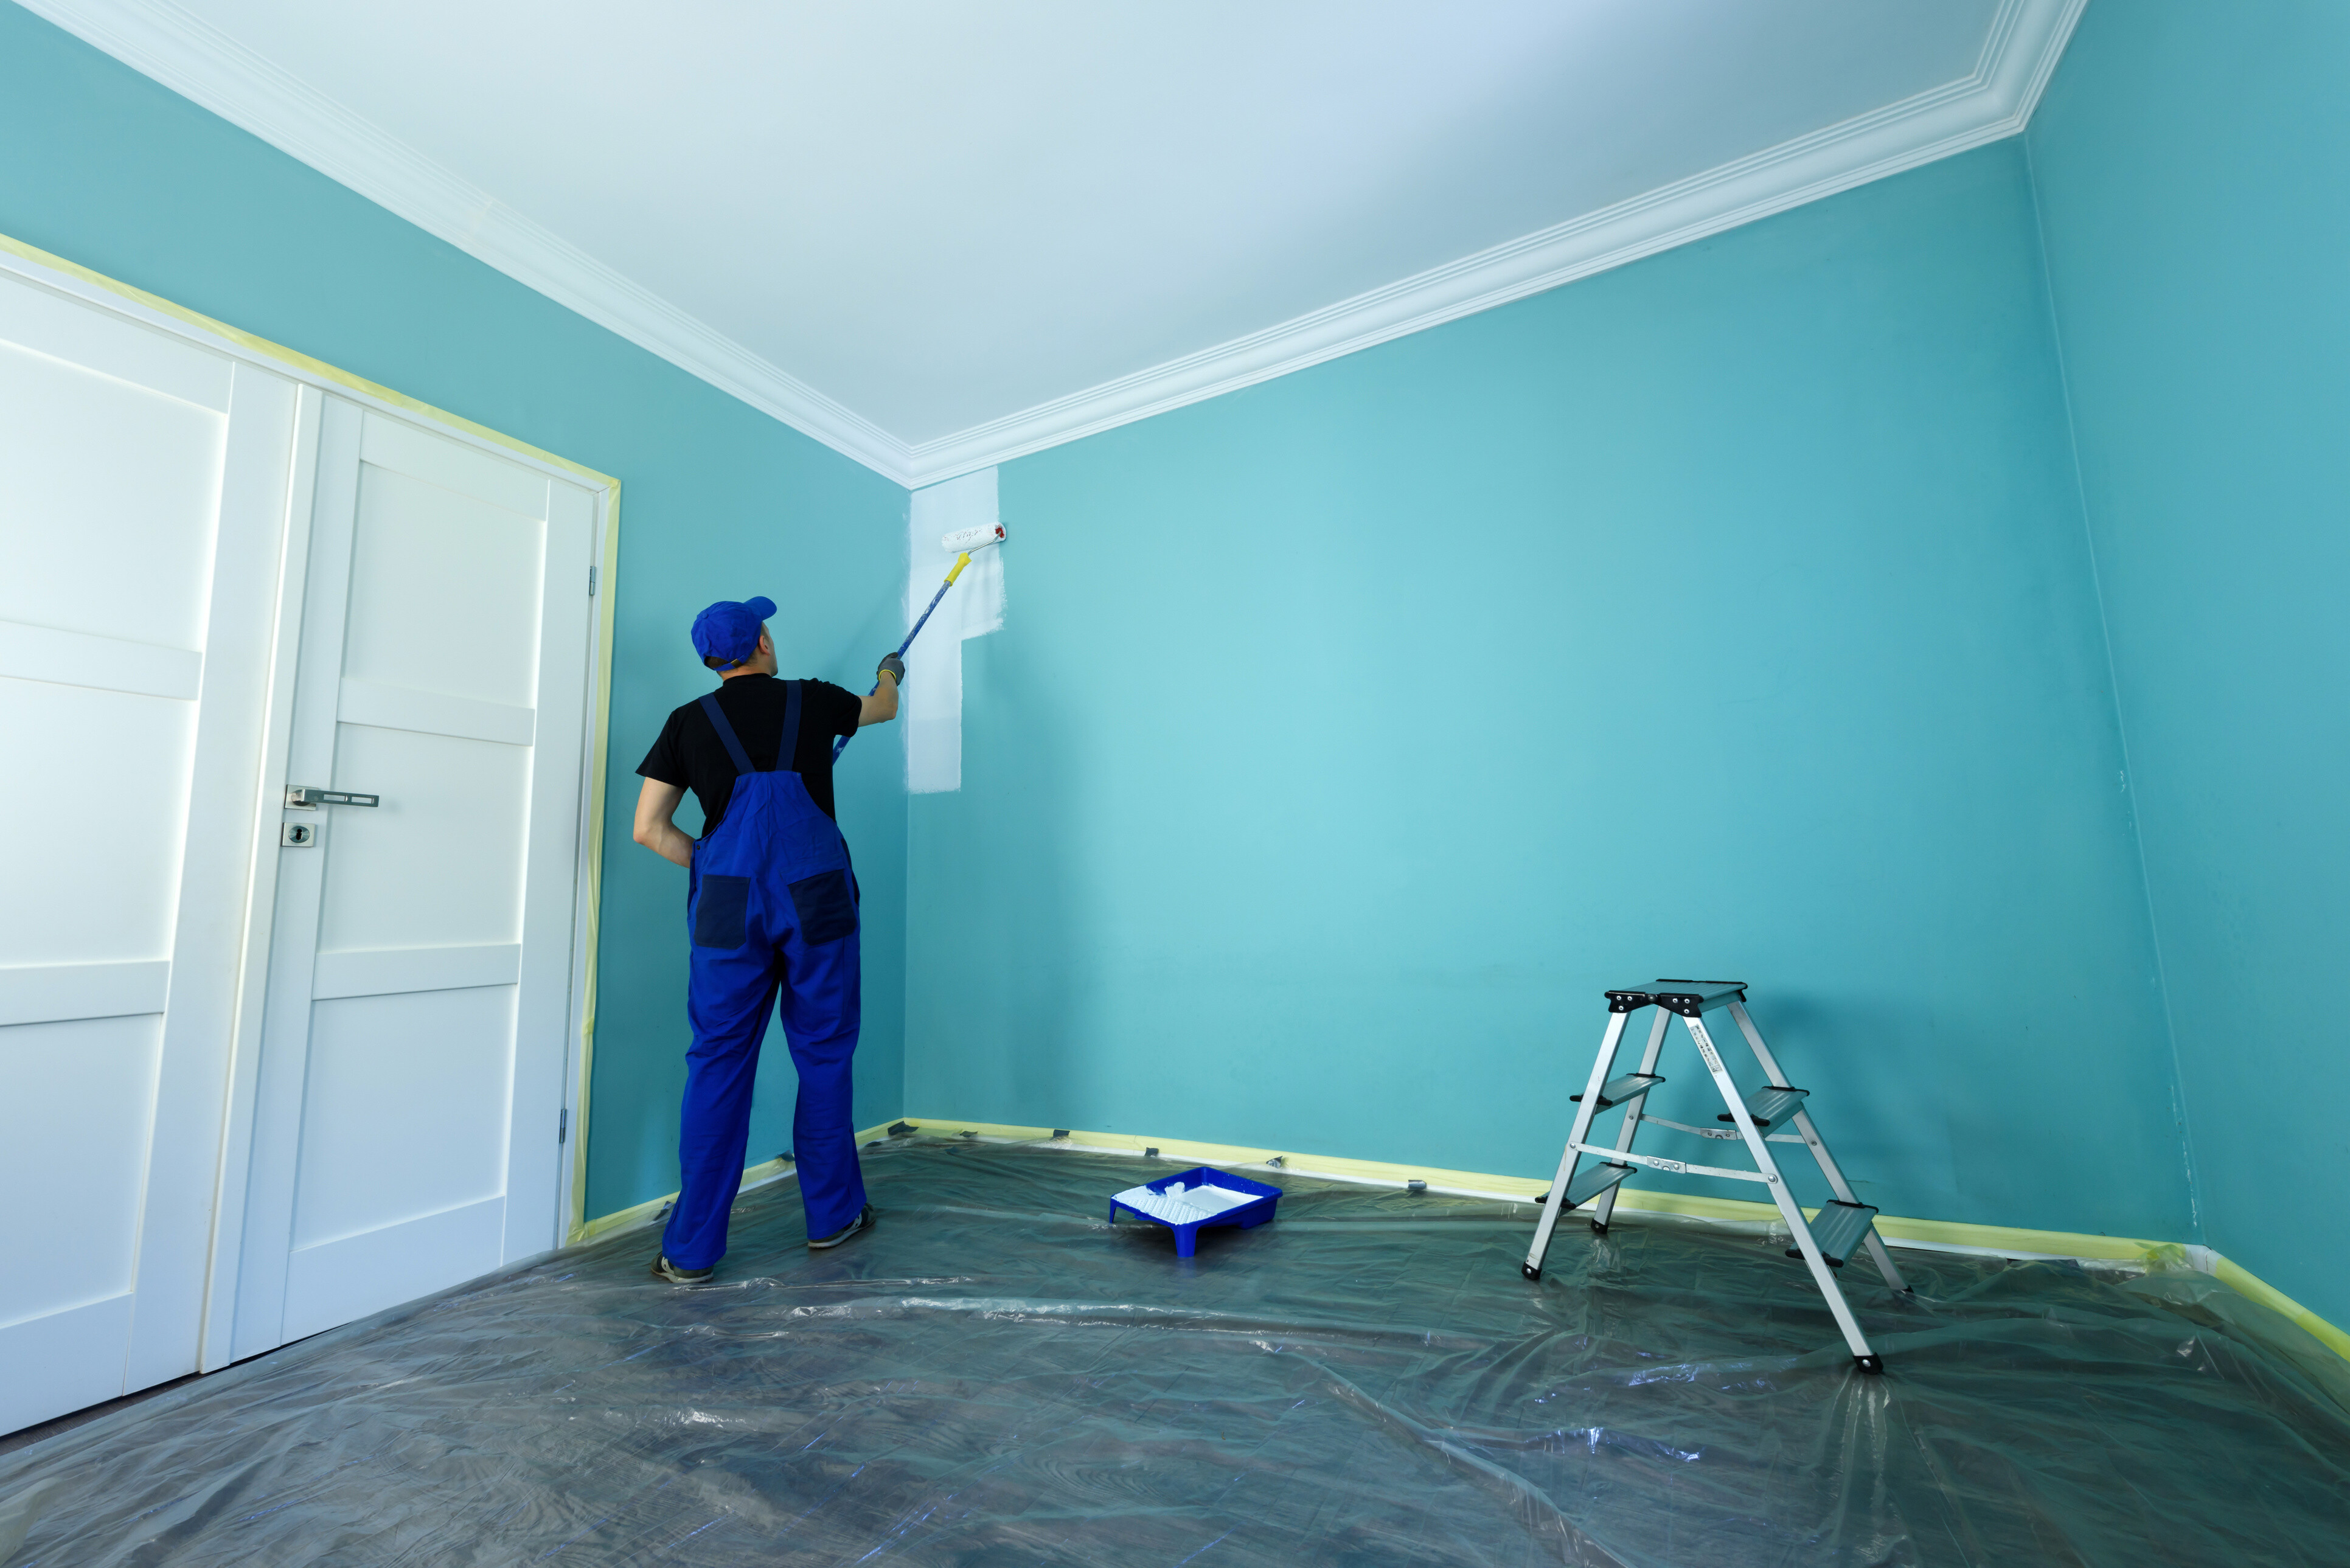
(1770, 1104)
(1619, 1090)
(1839, 1230)
(1693, 998)
(1594, 1179)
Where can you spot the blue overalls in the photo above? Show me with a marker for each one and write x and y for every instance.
(771, 904)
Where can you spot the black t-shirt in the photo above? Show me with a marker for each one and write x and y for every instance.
(690, 752)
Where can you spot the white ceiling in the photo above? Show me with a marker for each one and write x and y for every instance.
(936, 233)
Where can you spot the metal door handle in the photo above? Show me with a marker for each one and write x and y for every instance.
(310, 796)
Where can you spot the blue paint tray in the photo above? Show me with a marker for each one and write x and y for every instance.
(1167, 1202)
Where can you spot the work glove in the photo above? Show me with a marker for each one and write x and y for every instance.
(894, 667)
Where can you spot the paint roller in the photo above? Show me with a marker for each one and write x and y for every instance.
(963, 541)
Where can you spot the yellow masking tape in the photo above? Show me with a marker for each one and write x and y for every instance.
(2250, 1285)
(262, 347)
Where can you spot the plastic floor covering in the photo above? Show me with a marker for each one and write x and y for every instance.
(995, 1375)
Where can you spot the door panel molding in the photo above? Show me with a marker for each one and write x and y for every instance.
(59, 992)
(105, 663)
(383, 971)
(388, 707)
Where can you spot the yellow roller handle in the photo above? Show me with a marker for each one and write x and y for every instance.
(960, 562)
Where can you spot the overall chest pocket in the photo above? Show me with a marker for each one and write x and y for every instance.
(827, 910)
(720, 913)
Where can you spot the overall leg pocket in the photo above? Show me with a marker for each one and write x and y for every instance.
(827, 912)
(719, 915)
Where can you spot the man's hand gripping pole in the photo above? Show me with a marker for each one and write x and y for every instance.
(966, 540)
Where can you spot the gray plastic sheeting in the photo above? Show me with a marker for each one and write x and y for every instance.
(995, 1376)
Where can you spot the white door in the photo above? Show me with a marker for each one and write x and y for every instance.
(406, 1131)
(142, 519)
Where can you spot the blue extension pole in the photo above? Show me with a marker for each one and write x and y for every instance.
(962, 561)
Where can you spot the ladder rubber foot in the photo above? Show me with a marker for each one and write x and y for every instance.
(1599, 1227)
(1532, 1271)
(1873, 1364)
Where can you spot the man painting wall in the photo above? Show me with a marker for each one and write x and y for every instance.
(771, 910)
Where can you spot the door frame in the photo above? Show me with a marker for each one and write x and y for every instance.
(314, 380)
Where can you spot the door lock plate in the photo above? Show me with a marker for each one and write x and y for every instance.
(298, 835)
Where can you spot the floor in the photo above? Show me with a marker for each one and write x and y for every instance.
(995, 1376)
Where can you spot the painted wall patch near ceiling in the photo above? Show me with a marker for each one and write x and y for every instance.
(931, 705)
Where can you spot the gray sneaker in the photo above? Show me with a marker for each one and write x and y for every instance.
(863, 1220)
(665, 1270)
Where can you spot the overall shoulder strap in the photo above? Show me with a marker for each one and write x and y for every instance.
(727, 730)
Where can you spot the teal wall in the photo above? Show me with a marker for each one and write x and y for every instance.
(103, 167)
(2191, 162)
(1726, 614)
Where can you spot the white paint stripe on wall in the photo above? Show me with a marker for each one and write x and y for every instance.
(931, 706)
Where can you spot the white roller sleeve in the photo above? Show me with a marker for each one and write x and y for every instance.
(931, 704)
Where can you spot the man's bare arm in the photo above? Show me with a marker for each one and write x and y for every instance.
(656, 803)
(881, 703)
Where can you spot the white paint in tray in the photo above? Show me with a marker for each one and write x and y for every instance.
(1177, 1206)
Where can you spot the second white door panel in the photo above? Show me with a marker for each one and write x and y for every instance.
(405, 1110)
(79, 1114)
(440, 862)
(420, 974)
(107, 890)
(142, 525)
(476, 567)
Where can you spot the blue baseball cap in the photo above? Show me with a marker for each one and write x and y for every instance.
(727, 633)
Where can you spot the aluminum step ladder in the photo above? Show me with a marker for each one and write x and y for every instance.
(1843, 1226)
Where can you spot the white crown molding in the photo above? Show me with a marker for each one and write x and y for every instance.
(201, 64)
(2020, 54)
